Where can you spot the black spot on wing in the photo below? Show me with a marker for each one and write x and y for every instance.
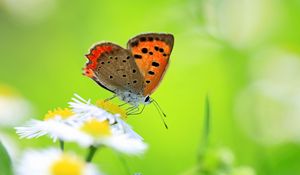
(137, 56)
(151, 72)
(155, 64)
(144, 50)
(134, 43)
(143, 39)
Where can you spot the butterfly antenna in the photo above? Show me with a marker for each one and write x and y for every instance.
(161, 113)
(159, 108)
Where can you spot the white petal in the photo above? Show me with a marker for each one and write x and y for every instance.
(123, 126)
(39, 163)
(125, 144)
(86, 110)
(13, 110)
(33, 129)
(55, 129)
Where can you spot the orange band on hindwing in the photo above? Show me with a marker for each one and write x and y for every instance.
(95, 54)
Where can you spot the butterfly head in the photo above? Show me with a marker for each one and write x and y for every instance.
(147, 100)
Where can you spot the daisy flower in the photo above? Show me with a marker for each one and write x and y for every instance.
(85, 109)
(56, 124)
(103, 110)
(89, 125)
(96, 133)
(103, 125)
(53, 162)
(14, 109)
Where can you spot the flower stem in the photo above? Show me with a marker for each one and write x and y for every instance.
(92, 152)
(62, 145)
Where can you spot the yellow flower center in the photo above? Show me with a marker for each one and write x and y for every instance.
(67, 165)
(96, 128)
(63, 113)
(112, 108)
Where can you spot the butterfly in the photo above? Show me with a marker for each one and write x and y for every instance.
(134, 73)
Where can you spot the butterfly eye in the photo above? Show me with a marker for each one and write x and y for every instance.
(147, 99)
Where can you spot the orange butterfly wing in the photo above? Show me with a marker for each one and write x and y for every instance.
(151, 52)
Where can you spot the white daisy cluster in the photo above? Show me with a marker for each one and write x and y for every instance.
(91, 126)
(54, 162)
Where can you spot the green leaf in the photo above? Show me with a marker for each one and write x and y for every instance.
(206, 128)
(207, 119)
(5, 162)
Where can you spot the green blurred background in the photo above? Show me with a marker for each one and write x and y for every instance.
(244, 54)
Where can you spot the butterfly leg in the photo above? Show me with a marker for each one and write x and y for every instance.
(132, 109)
(138, 111)
(122, 104)
(110, 98)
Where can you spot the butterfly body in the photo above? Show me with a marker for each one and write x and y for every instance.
(133, 73)
(132, 98)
